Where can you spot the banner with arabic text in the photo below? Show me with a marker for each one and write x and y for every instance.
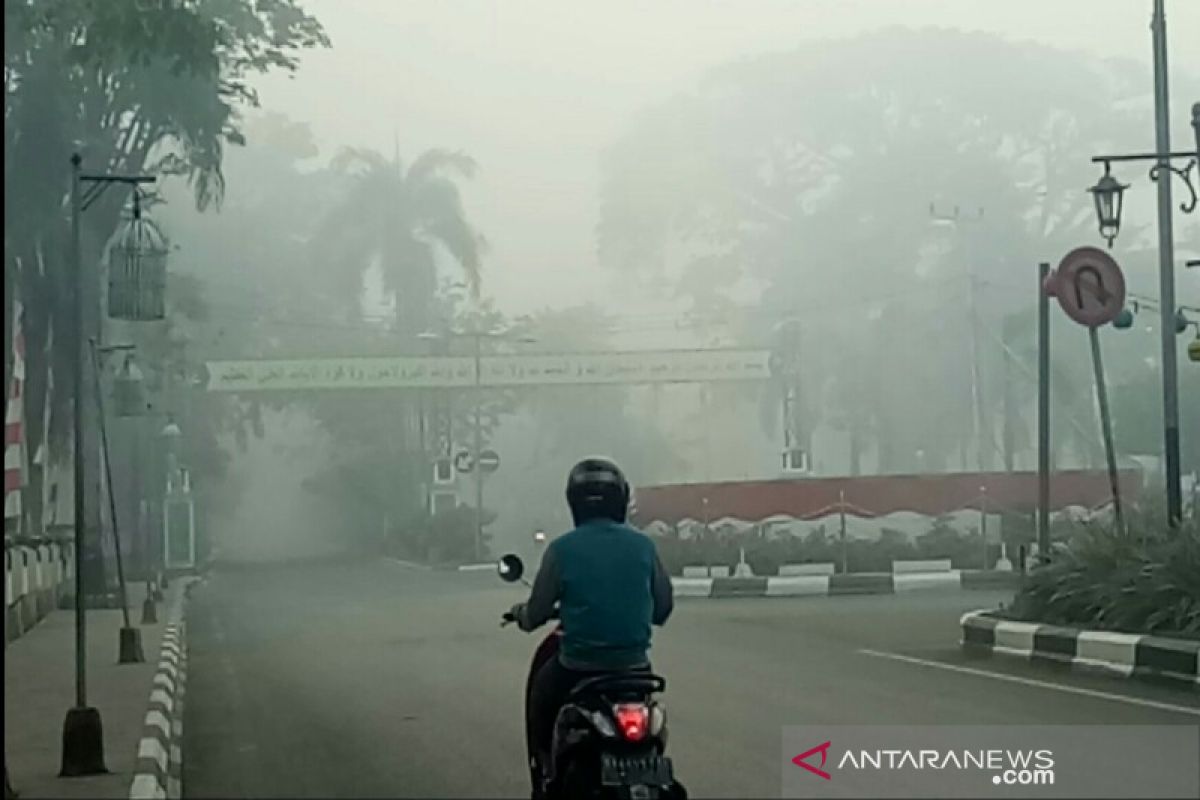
(671, 366)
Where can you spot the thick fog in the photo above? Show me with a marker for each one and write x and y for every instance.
(536, 90)
(675, 175)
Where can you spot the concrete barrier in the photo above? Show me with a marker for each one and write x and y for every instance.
(798, 585)
(792, 570)
(861, 583)
(695, 572)
(1130, 655)
(718, 572)
(916, 581)
(692, 587)
(823, 585)
(909, 567)
(739, 587)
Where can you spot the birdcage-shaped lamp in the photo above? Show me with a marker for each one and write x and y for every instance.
(137, 270)
(128, 391)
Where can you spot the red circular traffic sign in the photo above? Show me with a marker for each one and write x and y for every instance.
(1089, 286)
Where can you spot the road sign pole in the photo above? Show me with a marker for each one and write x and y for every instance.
(478, 449)
(842, 531)
(1106, 428)
(983, 524)
(1043, 510)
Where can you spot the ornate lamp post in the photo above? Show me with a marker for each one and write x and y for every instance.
(1108, 193)
(83, 737)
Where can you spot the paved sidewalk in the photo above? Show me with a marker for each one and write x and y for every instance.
(39, 688)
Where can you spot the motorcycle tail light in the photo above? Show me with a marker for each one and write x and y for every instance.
(633, 719)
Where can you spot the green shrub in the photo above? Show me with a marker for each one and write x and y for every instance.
(1147, 581)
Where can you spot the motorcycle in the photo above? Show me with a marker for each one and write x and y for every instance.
(610, 736)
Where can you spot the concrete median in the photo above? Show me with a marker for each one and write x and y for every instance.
(840, 584)
(1128, 655)
(159, 770)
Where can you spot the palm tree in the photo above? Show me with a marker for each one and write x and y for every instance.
(400, 218)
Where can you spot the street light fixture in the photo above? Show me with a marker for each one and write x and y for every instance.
(128, 389)
(1108, 194)
(137, 266)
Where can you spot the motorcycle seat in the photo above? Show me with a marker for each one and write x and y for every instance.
(620, 683)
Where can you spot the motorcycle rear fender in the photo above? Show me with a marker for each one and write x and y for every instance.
(574, 726)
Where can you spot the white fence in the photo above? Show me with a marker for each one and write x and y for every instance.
(37, 576)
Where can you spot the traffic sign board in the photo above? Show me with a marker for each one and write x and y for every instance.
(1089, 286)
(463, 462)
(489, 461)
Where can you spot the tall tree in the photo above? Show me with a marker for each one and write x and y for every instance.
(400, 217)
(135, 87)
(810, 174)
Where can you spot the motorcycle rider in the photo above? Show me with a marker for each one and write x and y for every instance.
(610, 587)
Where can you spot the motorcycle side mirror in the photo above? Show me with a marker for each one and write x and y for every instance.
(510, 568)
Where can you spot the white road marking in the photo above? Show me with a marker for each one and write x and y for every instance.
(1119, 698)
(408, 564)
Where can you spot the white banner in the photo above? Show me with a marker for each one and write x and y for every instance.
(671, 366)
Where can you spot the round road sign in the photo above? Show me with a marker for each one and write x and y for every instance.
(1089, 286)
(489, 461)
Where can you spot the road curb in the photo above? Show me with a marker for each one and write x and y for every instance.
(159, 769)
(1127, 655)
(841, 585)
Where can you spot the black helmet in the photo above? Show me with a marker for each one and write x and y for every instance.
(597, 489)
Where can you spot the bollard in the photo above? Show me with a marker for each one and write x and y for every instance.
(83, 743)
(149, 610)
(131, 647)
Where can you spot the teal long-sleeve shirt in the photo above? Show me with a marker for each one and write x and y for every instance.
(610, 587)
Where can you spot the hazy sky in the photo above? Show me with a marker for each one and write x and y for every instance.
(535, 89)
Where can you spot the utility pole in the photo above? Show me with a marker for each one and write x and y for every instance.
(1166, 267)
(1043, 455)
(983, 454)
(1008, 435)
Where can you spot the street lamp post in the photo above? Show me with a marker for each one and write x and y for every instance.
(1108, 195)
(83, 737)
(130, 650)
(478, 446)
(176, 491)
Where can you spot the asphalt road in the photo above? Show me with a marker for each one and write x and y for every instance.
(372, 679)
